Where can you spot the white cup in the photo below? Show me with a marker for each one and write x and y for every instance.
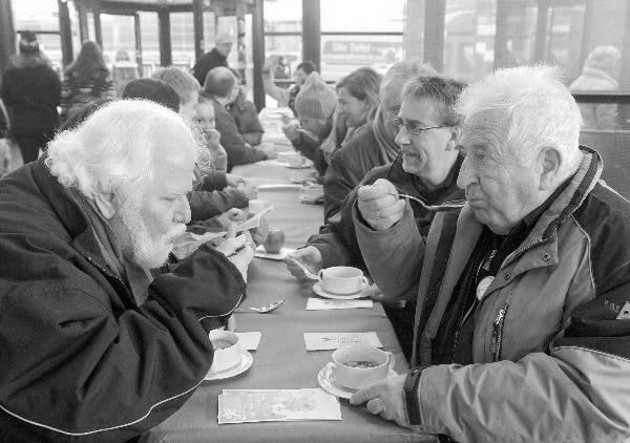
(360, 365)
(227, 350)
(296, 160)
(257, 205)
(313, 191)
(342, 280)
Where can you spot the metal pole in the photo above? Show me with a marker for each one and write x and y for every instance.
(258, 50)
(65, 31)
(7, 33)
(138, 37)
(312, 32)
(198, 28)
(435, 14)
(166, 56)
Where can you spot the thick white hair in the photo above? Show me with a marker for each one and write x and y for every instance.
(537, 110)
(114, 147)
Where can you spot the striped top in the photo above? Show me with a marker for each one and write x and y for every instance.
(73, 87)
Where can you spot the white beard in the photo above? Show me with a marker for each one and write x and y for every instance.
(148, 252)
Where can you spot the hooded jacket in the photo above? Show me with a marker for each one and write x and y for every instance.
(80, 359)
(551, 347)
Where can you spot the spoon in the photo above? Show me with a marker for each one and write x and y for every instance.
(263, 309)
(442, 207)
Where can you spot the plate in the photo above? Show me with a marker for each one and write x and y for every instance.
(326, 380)
(287, 165)
(244, 365)
(261, 253)
(317, 289)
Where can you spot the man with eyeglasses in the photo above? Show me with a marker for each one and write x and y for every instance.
(522, 330)
(426, 170)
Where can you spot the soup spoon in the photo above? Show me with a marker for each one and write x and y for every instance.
(263, 309)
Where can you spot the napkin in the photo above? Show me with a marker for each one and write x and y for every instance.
(318, 304)
(316, 341)
(249, 340)
(260, 405)
(261, 253)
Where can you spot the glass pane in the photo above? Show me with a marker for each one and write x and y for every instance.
(469, 39)
(182, 39)
(283, 16)
(149, 32)
(343, 54)
(119, 39)
(362, 16)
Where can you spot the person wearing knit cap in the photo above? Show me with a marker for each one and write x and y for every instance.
(221, 87)
(315, 106)
(215, 58)
(31, 91)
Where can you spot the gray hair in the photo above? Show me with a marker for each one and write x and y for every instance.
(537, 108)
(114, 148)
(181, 81)
(400, 72)
(443, 90)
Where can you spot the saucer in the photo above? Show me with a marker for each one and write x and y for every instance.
(326, 380)
(244, 365)
(317, 289)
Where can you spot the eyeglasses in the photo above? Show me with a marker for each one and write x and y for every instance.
(412, 127)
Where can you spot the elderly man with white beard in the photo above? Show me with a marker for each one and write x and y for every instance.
(93, 345)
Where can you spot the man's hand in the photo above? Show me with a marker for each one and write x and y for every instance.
(231, 216)
(234, 180)
(292, 130)
(250, 191)
(384, 398)
(238, 250)
(379, 204)
(309, 257)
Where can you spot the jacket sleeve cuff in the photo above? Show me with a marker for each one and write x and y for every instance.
(412, 401)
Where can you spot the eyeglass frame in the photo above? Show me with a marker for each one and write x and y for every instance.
(398, 123)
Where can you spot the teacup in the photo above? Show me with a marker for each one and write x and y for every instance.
(360, 365)
(286, 156)
(296, 161)
(313, 191)
(227, 350)
(342, 280)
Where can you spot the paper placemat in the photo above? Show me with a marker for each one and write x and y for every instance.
(249, 340)
(319, 304)
(247, 406)
(326, 341)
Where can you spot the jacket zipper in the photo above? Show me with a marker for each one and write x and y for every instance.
(497, 331)
(110, 275)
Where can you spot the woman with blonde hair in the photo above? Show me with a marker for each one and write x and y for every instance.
(87, 79)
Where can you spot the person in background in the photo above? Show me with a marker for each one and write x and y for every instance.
(245, 115)
(358, 98)
(426, 169)
(216, 57)
(221, 87)
(115, 346)
(213, 192)
(522, 330)
(31, 92)
(206, 121)
(317, 121)
(87, 79)
(286, 97)
(600, 73)
(374, 146)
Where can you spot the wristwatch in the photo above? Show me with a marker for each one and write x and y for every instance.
(410, 389)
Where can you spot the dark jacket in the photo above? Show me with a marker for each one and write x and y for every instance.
(337, 240)
(246, 118)
(207, 63)
(238, 150)
(211, 196)
(348, 166)
(31, 94)
(551, 346)
(79, 357)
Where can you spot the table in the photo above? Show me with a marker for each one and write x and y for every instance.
(281, 360)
